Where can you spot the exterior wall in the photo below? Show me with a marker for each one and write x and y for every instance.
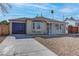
(10, 28)
(42, 30)
(71, 22)
(29, 27)
(77, 23)
(65, 31)
(54, 30)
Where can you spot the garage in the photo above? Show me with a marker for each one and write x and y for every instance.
(18, 28)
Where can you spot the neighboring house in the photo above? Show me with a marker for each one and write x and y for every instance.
(72, 22)
(77, 23)
(72, 25)
(37, 25)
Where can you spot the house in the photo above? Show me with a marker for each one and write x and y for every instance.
(72, 25)
(37, 26)
(71, 21)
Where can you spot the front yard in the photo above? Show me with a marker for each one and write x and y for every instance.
(67, 46)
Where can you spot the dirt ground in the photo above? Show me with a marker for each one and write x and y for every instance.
(2, 38)
(62, 46)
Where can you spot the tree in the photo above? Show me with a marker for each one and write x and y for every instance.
(4, 22)
(4, 7)
(52, 11)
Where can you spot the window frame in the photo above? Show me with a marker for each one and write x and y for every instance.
(37, 25)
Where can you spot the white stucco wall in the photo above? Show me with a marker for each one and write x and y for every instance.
(44, 27)
(10, 28)
(29, 27)
(58, 31)
(71, 22)
(42, 30)
(30, 30)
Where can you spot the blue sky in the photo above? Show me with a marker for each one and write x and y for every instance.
(33, 9)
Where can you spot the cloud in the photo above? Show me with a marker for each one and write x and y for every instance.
(76, 16)
(44, 6)
(68, 9)
(39, 5)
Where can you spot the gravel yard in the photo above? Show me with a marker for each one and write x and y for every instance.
(66, 46)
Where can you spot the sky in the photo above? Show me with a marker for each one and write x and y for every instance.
(30, 10)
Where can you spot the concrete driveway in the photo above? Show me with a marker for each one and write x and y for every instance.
(24, 47)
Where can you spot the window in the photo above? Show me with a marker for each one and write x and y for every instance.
(33, 25)
(61, 26)
(36, 25)
(77, 24)
(57, 26)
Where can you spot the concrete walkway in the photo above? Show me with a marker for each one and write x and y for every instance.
(24, 47)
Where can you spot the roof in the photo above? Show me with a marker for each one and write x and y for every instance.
(47, 19)
(71, 18)
(23, 18)
(36, 19)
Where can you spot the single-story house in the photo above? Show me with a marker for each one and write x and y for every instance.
(37, 25)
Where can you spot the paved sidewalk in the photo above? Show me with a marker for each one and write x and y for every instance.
(24, 47)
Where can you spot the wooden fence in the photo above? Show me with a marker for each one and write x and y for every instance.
(4, 29)
(73, 29)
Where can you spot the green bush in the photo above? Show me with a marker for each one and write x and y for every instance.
(4, 22)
